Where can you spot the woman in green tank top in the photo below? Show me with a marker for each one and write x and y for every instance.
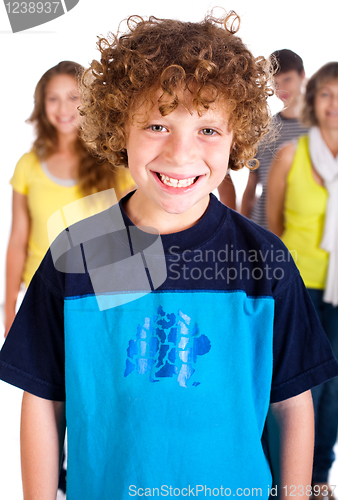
(302, 204)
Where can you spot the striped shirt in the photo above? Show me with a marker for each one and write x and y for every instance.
(288, 129)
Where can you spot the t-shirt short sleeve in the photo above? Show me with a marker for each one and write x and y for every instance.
(302, 356)
(19, 181)
(32, 357)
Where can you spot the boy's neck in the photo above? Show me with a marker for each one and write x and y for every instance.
(142, 213)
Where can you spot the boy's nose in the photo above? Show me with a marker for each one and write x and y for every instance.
(180, 150)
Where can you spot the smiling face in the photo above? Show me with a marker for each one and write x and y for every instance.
(326, 105)
(61, 101)
(176, 161)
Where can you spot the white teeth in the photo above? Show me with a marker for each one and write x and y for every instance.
(169, 181)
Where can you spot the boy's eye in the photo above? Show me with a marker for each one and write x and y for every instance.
(208, 131)
(158, 128)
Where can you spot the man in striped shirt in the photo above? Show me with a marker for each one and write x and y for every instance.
(288, 82)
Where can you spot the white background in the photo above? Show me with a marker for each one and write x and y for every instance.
(308, 28)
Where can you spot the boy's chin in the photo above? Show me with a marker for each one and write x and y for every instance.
(180, 207)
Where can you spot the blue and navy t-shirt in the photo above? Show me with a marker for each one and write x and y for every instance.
(168, 352)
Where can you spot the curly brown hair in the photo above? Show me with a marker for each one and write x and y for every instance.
(326, 73)
(205, 58)
(93, 174)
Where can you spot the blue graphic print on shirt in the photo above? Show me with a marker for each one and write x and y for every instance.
(166, 345)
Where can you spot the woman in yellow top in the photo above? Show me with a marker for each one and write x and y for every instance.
(302, 209)
(57, 171)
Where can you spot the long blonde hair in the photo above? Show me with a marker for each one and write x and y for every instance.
(93, 174)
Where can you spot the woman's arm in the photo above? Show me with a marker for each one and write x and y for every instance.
(42, 436)
(276, 188)
(249, 195)
(16, 255)
(290, 426)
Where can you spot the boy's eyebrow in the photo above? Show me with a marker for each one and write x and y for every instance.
(214, 122)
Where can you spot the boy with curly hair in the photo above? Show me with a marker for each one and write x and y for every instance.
(172, 353)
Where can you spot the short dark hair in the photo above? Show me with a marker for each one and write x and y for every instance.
(286, 60)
